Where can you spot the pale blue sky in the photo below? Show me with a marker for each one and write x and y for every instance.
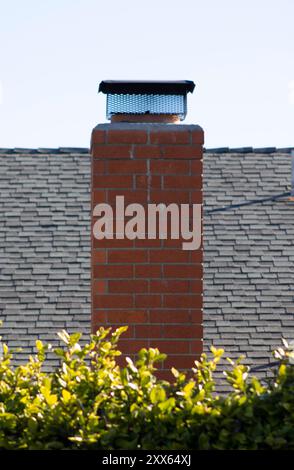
(54, 53)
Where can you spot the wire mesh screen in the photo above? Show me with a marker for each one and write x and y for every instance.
(142, 104)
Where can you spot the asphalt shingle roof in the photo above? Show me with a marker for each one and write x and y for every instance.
(248, 239)
(249, 253)
(44, 246)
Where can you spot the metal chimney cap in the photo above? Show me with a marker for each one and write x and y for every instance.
(138, 87)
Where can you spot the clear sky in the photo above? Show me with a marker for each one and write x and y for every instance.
(53, 54)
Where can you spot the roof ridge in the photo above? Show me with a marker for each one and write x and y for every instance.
(249, 150)
(85, 150)
(59, 150)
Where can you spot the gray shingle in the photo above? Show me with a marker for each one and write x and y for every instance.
(43, 286)
(254, 229)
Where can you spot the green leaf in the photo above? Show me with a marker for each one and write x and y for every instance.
(66, 395)
(167, 405)
(187, 390)
(51, 399)
(157, 394)
(39, 345)
(74, 338)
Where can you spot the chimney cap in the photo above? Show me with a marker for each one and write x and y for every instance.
(149, 87)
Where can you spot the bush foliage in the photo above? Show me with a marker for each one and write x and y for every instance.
(89, 402)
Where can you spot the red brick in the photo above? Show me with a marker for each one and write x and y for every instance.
(170, 137)
(180, 301)
(185, 151)
(196, 197)
(147, 151)
(172, 243)
(167, 285)
(196, 346)
(127, 137)
(98, 166)
(111, 151)
(113, 301)
(148, 243)
(148, 271)
(147, 300)
(132, 346)
(113, 271)
(126, 317)
(196, 256)
(196, 167)
(167, 167)
(169, 256)
(144, 181)
(108, 243)
(95, 326)
(196, 316)
(127, 286)
(180, 362)
(121, 361)
(165, 315)
(167, 197)
(126, 167)
(185, 182)
(165, 375)
(127, 256)
(185, 271)
(168, 346)
(135, 196)
(182, 331)
(98, 319)
(98, 256)
(148, 331)
(99, 197)
(113, 181)
(98, 137)
(196, 286)
(198, 137)
(99, 287)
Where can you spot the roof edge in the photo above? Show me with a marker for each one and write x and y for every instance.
(84, 150)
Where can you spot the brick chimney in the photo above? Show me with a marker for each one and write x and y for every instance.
(149, 283)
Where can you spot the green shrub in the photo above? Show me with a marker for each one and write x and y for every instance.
(89, 402)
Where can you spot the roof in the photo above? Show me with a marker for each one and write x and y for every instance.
(44, 245)
(248, 239)
(248, 255)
